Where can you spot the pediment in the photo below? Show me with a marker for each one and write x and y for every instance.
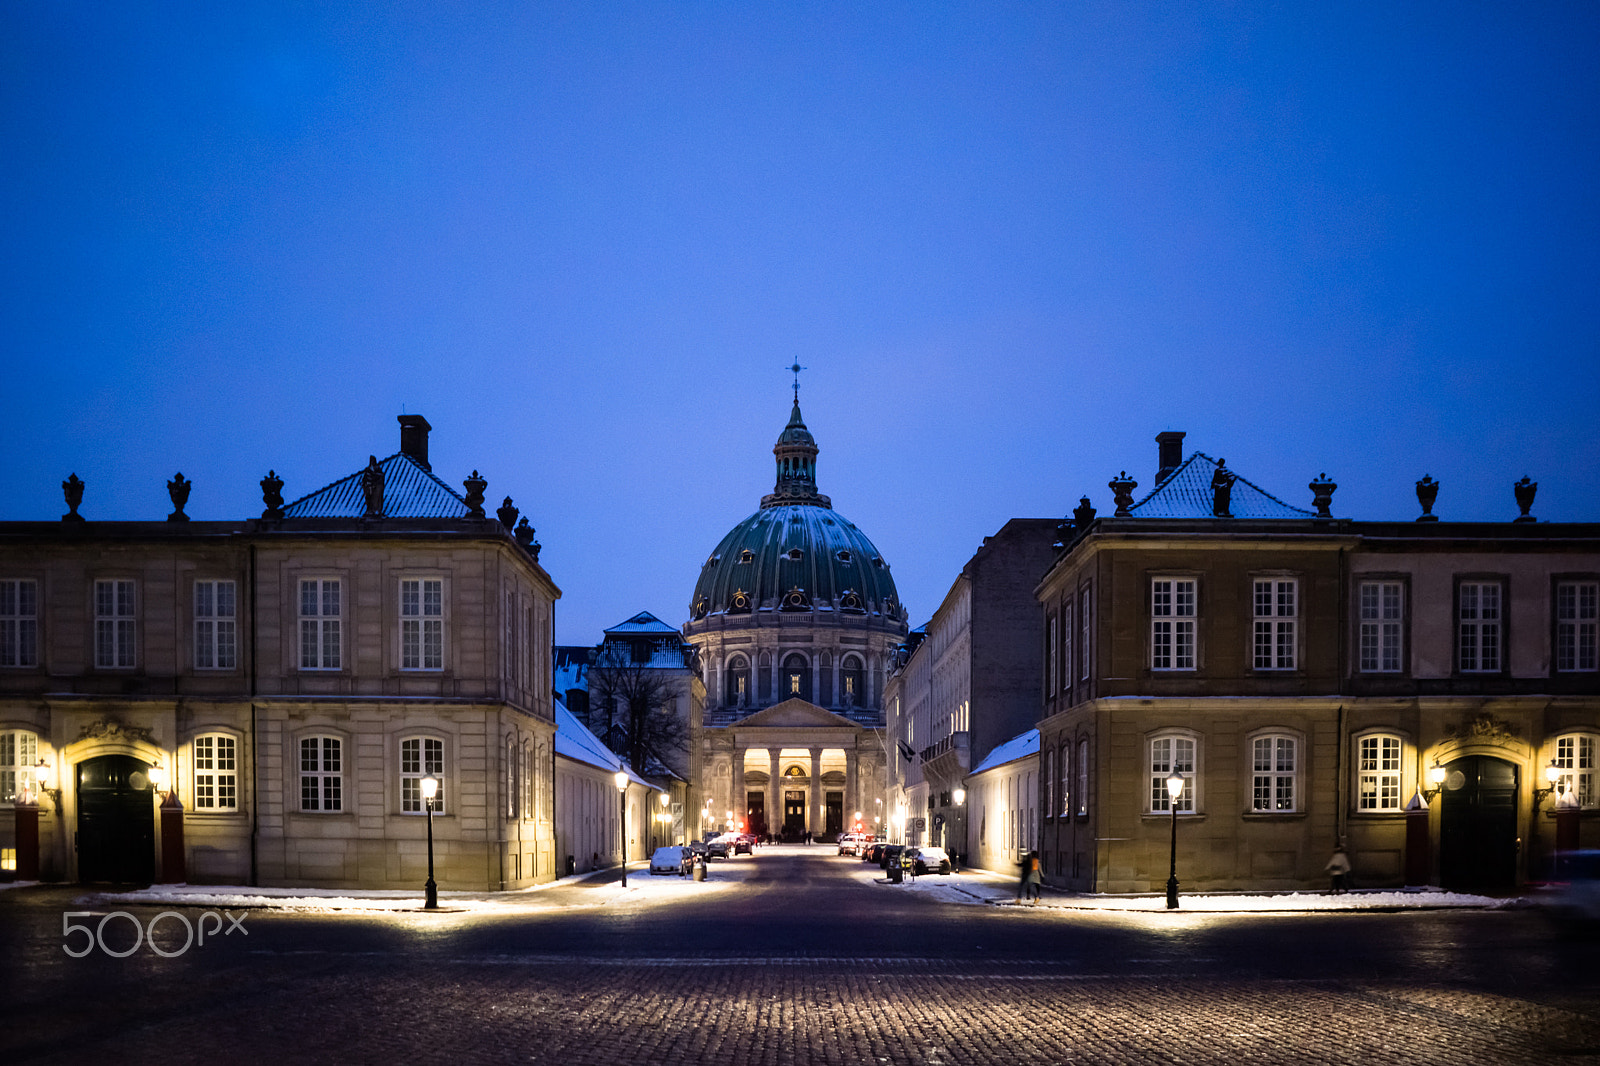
(796, 713)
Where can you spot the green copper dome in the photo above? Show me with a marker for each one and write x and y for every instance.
(796, 553)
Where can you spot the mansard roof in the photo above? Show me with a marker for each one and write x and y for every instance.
(1187, 494)
(1018, 747)
(410, 490)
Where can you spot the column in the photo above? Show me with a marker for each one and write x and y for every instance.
(814, 817)
(774, 793)
(852, 793)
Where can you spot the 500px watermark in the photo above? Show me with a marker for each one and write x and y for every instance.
(145, 934)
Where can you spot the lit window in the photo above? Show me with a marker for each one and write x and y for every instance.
(1167, 754)
(1276, 611)
(1576, 603)
(320, 609)
(1381, 608)
(1575, 758)
(419, 757)
(113, 624)
(214, 637)
(1378, 773)
(1479, 627)
(1273, 774)
(1172, 616)
(19, 623)
(1083, 778)
(1066, 778)
(321, 774)
(19, 751)
(216, 773)
(422, 624)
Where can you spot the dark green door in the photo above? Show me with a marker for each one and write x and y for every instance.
(794, 815)
(835, 804)
(1478, 825)
(116, 821)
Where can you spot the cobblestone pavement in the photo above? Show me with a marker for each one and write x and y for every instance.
(799, 966)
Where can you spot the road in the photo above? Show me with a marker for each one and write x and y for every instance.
(794, 956)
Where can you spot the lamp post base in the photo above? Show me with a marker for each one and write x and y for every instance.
(1172, 893)
(432, 901)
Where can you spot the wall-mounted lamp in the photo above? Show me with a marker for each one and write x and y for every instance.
(1436, 776)
(44, 781)
(1552, 776)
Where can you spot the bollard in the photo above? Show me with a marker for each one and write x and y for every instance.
(699, 869)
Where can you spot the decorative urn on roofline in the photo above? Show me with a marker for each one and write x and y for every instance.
(1427, 492)
(1122, 487)
(1525, 490)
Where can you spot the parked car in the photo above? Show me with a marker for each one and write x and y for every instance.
(673, 859)
(853, 843)
(720, 847)
(744, 844)
(874, 852)
(891, 855)
(928, 860)
(698, 849)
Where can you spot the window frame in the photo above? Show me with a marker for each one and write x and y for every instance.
(323, 622)
(787, 689)
(1585, 776)
(1579, 623)
(1081, 763)
(213, 777)
(1047, 781)
(19, 630)
(1500, 623)
(20, 748)
(122, 627)
(1052, 659)
(1069, 658)
(428, 628)
(1173, 617)
(1275, 624)
(217, 623)
(852, 671)
(1085, 630)
(1157, 800)
(734, 698)
(1379, 773)
(1275, 776)
(321, 773)
(422, 767)
(1402, 625)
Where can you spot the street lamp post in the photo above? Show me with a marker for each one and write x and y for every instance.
(960, 837)
(621, 778)
(430, 789)
(1174, 790)
(663, 818)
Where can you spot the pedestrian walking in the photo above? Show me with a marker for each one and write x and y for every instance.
(1338, 869)
(1028, 888)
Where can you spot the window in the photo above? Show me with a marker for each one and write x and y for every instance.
(738, 681)
(1051, 658)
(216, 773)
(19, 750)
(113, 624)
(1049, 780)
(319, 624)
(19, 623)
(1083, 641)
(419, 757)
(1172, 624)
(1083, 778)
(1067, 658)
(852, 682)
(1378, 769)
(1167, 754)
(1575, 625)
(321, 774)
(1066, 778)
(1478, 627)
(796, 678)
(422, 624)
(214, 611)
(1575, 757)
(1276, 610)
(1273, 771)
(1381, 608)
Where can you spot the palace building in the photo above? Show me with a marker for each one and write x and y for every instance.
(795, 618)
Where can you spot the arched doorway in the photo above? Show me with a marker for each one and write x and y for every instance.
(116, 821)
(1478, 825)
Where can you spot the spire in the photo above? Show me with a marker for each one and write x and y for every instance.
(796, 453)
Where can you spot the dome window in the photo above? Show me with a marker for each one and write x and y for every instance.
(844, 555)
(747, 556)
(795, 599)
(877, 560)
(794, 555)
(850, 601)
(714, 560)
(740, 601)
(700, 607)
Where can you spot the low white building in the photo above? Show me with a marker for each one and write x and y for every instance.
(588, 804)
(1002, 805)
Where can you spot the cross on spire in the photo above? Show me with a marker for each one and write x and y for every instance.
(795, 370)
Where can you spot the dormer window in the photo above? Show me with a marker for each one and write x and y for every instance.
(794, 555)
(700, 607)
(850, 601)
(747, 556)
(795, 599)
(843, 555)
(740, 601)
(714, 560)
(877, 560)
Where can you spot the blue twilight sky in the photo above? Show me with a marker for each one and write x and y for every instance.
(1012, 242)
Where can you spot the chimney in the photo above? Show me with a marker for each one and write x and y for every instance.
(414, 438)
(1170, 453)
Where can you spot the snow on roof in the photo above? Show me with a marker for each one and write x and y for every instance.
(643, 622)
(1187, 494)
(409, 491)
(1018, 747)
(576, 742)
